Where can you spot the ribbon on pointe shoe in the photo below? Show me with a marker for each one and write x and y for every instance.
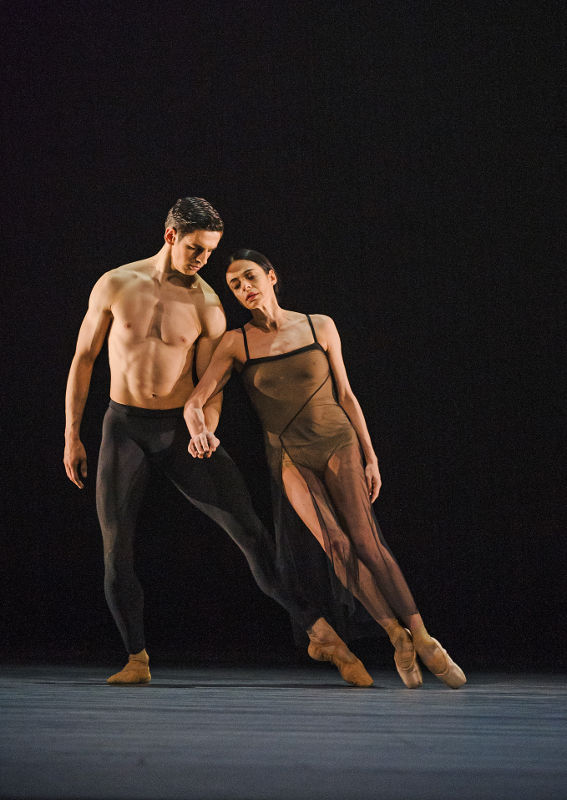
(410, 675)
(452, 675)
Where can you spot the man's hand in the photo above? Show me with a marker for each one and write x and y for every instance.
(373, 480)
(203, 445)
(75, 460)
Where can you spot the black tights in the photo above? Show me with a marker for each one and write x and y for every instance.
(134, 439)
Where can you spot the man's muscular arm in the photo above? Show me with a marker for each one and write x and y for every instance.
(93, 331)
(214, 326)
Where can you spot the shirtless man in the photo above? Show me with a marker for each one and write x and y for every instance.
(161, 319)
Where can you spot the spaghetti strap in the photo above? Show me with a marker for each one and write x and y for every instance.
(312, 328)
(245, 343)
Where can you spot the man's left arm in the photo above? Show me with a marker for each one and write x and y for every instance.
(214, 326)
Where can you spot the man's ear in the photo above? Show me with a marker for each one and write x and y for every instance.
(169, 235)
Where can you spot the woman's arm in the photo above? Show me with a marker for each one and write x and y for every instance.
(329, 337)
(214, 328)
(203, 441)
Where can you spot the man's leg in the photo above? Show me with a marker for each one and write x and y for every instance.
(122, 477)
(217, 488)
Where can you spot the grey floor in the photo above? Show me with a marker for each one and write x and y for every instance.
(262, 734)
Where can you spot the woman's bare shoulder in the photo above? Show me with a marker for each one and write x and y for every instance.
(233, 342)
(232, 339)
(323, 322)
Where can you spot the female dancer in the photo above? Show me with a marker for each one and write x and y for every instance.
(316, 438)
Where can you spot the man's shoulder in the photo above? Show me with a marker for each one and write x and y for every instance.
(208, 303)
(133, 271)
(210, 310)
(112, 283)
(209, 296)
(126, 272)
(118, 277)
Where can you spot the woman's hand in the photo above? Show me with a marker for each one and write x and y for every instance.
(203, 445)
(373, 480)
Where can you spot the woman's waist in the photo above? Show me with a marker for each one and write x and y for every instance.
(279, 411)
(311, 433)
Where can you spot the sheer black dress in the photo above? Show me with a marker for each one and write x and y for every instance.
(316, 463)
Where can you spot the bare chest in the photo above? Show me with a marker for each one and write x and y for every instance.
(145, 313)
(261, 345)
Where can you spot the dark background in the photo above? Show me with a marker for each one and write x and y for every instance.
(400, 164)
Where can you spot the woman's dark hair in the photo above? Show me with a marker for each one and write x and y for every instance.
(258, 258)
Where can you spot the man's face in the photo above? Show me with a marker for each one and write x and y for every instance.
(191, 252)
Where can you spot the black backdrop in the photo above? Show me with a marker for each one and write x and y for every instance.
(399, 163)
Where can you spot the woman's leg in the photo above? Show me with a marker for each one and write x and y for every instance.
(345, 480)
(310, 499)
(362, 560)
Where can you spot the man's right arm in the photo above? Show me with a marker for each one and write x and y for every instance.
(92, 334)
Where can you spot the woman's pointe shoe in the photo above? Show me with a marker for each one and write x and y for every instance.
(326, 645)
(408, 668)
(137, 670)
(452, 675)
(353, 672)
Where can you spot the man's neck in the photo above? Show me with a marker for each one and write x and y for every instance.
(164, 272)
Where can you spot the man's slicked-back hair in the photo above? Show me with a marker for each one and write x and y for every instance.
(190, 214)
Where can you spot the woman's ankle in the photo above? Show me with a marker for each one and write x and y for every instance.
(321, 632)
(419, 632)
(396, 632)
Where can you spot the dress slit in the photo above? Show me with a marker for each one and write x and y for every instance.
(315, 459)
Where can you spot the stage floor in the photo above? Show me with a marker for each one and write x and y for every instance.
(279, 734)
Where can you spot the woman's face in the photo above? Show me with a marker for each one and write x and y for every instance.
(250, 284)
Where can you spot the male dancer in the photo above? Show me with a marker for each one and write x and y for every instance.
(161, 318)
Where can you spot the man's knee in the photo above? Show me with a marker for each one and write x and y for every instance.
(118, 564)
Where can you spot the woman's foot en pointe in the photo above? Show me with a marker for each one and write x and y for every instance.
(405, 659)
(439, 662)
(326, 645)
(137, 670)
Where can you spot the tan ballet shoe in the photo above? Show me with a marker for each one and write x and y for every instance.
(353, 672)
(326, 645)
(137, 670)
(452, 675)
(410, 675)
